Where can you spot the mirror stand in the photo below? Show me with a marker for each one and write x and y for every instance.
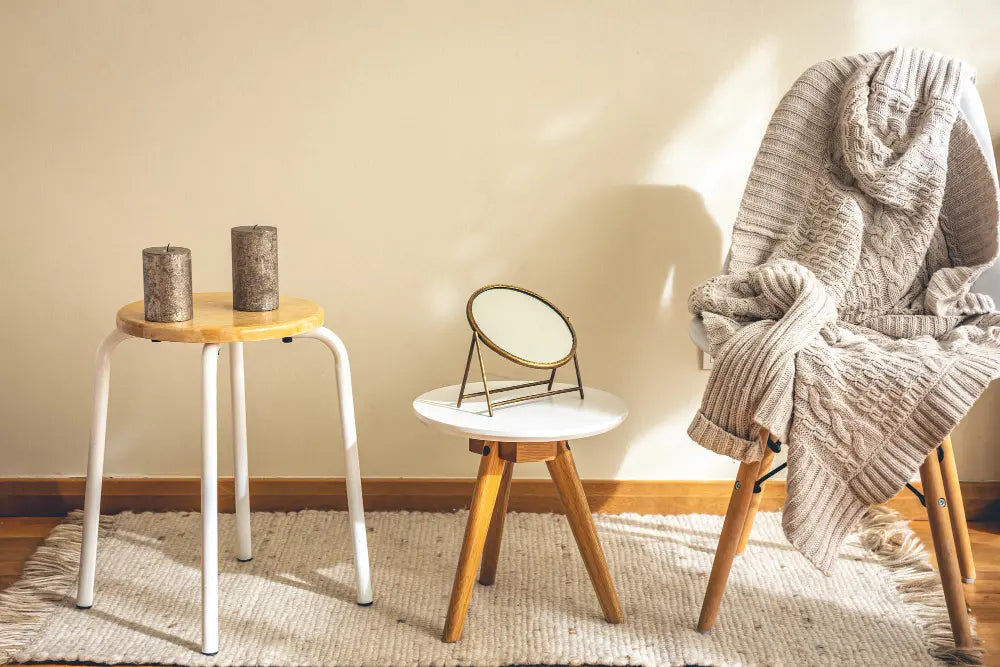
(487, 392)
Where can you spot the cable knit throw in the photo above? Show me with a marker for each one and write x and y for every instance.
(845, 324)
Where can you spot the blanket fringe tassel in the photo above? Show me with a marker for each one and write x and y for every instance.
(885, 533)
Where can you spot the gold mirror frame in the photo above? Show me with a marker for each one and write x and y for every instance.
(479, 339)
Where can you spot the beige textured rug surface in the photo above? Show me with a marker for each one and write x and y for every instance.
(293, 604)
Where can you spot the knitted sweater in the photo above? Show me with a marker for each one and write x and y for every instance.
(845, 324)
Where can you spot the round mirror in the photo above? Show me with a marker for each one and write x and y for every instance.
(521, 326)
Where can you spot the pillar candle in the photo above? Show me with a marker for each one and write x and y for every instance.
(255, 268)
(166, 284)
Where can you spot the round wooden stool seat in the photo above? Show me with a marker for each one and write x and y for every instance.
(215, 321)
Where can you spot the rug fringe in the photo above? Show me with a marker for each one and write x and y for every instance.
(44, 584)
(51, 572)
(884, 532)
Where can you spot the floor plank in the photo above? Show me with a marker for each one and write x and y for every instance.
(19, 536)
(983, 596)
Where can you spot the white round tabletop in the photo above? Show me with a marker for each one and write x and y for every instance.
(552, 418)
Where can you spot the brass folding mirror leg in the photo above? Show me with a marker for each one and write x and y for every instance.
(579, 380)
(482, 368)
(465, 376)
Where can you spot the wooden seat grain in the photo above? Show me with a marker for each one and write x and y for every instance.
(215, 321)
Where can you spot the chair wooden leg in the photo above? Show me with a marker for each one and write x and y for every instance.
(491, 553)
(762, 468)
(732, 529)
(483, 500)
(567, 481)
(956, 508)
(944, 548)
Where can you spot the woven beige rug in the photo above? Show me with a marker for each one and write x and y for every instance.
(293, 604)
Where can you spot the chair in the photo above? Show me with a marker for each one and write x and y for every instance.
(942, 495)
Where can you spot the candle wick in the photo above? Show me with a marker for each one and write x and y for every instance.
(168, 247)
(256, 226)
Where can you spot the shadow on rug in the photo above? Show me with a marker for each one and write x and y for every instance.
(293, 604)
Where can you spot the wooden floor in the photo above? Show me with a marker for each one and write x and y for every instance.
(19, 536)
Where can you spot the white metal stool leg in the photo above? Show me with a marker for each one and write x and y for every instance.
(209, 501)
(95, 470)
(355, 503)
(241, 472)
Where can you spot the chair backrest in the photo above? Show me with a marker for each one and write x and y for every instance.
(972, 107)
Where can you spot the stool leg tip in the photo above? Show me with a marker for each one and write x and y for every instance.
(366, 604)
(84, 606)
(968, 580)
(704, 632)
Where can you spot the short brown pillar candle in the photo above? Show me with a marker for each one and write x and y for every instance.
(166, 284)
(255, 268)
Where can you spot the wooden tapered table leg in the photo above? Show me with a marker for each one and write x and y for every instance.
(732, 530)
(491, 553)
(563, 472)
(762, 470)
(944, 548)
(532, 431)
(483, 500)
(956, 509)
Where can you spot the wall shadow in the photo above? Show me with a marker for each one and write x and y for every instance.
(621, 265)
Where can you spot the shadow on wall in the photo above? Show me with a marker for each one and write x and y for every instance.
(536, 190)
(635, 254)
(406, 163)
(619, 259)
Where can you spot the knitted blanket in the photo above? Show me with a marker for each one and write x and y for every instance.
(845, 324)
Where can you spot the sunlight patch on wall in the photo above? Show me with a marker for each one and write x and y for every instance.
(572, 124)
(667, 295)
(444, 299)
(713, 149)
(475, 262)
(934, 25)
(470, 248)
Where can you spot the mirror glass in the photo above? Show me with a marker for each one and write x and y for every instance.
(521, 325)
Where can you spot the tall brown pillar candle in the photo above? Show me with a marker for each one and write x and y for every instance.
(166, 284)
(255, 268)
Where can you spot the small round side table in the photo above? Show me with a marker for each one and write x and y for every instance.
(215, 323)
(535, 430)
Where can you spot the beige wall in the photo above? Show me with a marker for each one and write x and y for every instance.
(408, 153)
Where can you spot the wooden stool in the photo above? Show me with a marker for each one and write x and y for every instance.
(536, 430)
(945, 512)
(214, 323)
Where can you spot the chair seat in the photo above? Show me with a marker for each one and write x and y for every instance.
(698, 334)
